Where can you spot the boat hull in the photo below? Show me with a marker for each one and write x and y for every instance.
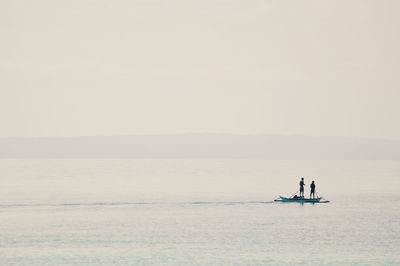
(301, 200)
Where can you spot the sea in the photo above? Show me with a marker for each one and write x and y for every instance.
(197, 212)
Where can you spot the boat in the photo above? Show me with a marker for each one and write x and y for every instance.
(301, 200)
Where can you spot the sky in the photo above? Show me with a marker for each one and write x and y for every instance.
(96, 68)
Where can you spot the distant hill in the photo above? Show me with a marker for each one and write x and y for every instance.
(193, 146)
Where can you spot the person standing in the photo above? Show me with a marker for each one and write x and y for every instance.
(302, 187)
(312, 192)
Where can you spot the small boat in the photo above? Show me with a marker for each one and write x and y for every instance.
(302, 200)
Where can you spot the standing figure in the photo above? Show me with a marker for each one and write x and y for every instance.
(302, 187)
(312, 192)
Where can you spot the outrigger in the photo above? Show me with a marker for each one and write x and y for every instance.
(301, 199)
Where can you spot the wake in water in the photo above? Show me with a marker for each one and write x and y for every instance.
(88, 204)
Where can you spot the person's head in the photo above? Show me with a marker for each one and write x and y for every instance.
(313, 182)
(302, 178)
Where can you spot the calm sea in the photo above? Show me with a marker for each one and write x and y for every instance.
(197, 212)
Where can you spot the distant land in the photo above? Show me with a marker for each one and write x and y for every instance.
(202, 146)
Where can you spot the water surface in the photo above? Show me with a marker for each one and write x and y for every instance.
(197, 212)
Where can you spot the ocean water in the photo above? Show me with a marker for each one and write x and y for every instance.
(197, 212)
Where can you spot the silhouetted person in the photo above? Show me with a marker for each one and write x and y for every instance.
(312, 192)
(302, 187)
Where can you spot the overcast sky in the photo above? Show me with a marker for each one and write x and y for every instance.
(73, 68)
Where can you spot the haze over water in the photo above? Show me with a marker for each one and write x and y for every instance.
(245, 80)
(197, 212)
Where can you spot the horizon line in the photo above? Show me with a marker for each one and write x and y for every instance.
(205, 134)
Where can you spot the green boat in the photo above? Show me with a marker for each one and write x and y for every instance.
(302, 200)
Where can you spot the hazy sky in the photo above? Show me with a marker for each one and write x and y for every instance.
(151, 67)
